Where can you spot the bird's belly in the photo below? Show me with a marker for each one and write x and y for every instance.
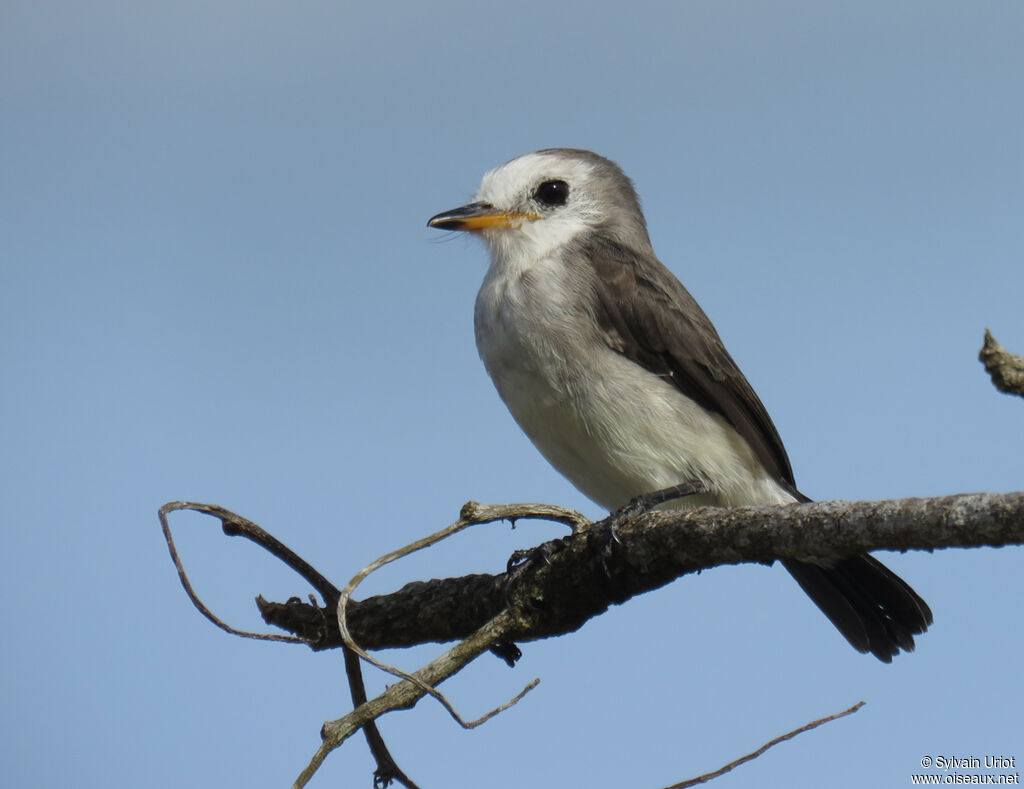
(616, 430)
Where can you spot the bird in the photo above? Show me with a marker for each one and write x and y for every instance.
(621, 381)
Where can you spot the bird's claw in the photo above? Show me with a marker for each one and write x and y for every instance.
(608, 538)
(507, 651)
(520, 559)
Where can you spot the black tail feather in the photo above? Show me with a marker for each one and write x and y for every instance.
(869, 604)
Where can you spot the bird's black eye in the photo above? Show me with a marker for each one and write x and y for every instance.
(552, 193)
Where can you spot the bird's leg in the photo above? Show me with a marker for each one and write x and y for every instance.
(655, 498)
(608, 529)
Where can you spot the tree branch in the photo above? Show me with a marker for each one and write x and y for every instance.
(567, 581)
(574, 579)
(387, 770)
(405, 693)
(1006, 369)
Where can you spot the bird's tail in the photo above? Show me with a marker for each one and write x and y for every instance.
(869, 604)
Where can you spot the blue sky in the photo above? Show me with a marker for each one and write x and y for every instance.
(216, 283)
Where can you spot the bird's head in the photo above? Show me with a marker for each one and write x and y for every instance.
(543, 200)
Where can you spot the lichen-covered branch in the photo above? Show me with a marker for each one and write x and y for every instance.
(578, 577)
(1006, 369)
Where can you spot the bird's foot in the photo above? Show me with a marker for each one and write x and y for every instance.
(507, 651)
(523, 558)
(608, 538)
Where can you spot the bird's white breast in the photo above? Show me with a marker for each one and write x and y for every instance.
(611, 427)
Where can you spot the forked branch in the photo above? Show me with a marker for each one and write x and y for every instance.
(575, 579)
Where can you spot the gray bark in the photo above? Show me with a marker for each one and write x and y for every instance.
(573, 579)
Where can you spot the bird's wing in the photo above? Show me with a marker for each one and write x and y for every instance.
(649, 317)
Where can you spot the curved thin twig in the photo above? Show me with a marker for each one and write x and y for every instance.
(700, 779)
(405, 694)
(232, 524)
(225, 517)
(471, 514)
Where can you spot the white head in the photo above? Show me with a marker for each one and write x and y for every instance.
(542, 201)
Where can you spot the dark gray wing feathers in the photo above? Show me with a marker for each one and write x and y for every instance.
(649, 317)
(653, 320)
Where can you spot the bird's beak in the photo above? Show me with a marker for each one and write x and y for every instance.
(479, 216)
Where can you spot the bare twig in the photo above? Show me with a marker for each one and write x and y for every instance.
(225, 517)
(1005, 368)
(398, 696)
(471, 514)
(405, 694)
(232, 524)
(476, 512)
(751, 756)
(387, 769)
(414, 686)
